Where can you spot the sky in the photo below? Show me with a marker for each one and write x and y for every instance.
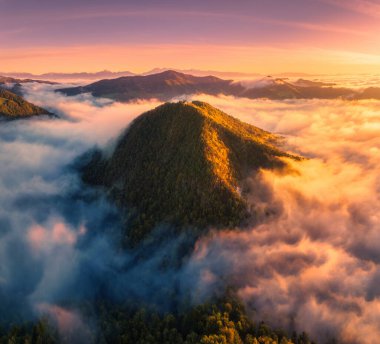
(253, 36)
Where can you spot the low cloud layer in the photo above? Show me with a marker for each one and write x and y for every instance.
(313, 262)
(57, 236)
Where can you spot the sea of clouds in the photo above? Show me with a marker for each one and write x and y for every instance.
(313, 264)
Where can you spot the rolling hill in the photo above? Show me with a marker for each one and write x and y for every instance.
(4, 80)
(281, 89)
(182, 164)
(14, 85)
(13, 106)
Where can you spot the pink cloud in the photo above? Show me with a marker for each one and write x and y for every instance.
(44, 238)
(70, 324)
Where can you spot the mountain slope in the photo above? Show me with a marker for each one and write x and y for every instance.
(280, 89)
(182, 164)
(163, 86)
(13, 106)
(273, 89)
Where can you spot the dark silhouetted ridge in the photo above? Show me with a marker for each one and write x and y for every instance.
(163, 86)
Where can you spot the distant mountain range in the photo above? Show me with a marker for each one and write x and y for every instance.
(13, 106)
(163, 86)
(280, 89)
(182, 164)
(14, 85)
(4, 80)
(105, 74)
(69, 76)
(170, 84)
(196, 72)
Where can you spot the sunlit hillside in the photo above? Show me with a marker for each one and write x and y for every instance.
(182, 164)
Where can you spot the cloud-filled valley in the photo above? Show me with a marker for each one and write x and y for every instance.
(312, 263)
(316, 261)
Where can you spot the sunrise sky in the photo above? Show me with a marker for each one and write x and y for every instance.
(263, 36)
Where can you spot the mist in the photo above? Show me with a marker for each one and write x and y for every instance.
(59, 238)
(310, 264)
(313, 265)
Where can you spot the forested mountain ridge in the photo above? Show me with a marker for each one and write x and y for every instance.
(182, 164)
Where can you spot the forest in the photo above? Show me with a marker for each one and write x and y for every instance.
(223, 321)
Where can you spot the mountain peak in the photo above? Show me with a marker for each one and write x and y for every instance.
(182, 164)
(170, 73)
